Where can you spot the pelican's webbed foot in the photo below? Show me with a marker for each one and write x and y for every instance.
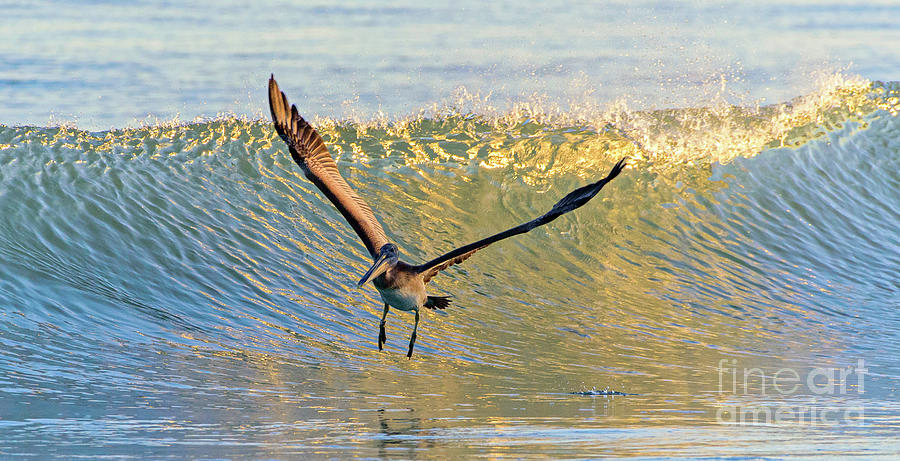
(412, 342)
(382, 338)
(412, 339)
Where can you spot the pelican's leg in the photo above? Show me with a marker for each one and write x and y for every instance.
(382, 338)
(412, 339)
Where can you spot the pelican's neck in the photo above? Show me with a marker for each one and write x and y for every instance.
(385, 279)
(392, 277)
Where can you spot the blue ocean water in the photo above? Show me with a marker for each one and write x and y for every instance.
(104, 65)
(171, 286)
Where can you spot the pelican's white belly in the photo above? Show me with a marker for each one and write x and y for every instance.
(398, 299)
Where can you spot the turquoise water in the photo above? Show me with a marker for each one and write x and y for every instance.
(179, 290)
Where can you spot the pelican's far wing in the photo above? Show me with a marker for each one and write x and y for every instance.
(309, 151)
(575, 199)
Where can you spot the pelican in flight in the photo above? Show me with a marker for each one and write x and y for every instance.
(401, 285)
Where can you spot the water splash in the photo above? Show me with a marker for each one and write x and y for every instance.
(542, 137)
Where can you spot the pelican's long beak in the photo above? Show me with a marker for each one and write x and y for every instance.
(378, 267)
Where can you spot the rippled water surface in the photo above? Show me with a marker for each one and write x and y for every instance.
(183, 290)
(180, 290)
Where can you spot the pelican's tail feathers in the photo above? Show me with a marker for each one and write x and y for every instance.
(437, 302)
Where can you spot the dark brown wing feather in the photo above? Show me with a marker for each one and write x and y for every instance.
(433, 270)
(309, 151)
(573, 200)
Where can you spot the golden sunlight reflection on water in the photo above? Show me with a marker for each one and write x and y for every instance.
(210, 286)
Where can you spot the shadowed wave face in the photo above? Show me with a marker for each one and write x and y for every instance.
(157, 282)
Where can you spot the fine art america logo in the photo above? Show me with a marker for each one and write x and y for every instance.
(790, 396)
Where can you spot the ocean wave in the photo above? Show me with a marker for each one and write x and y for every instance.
(206, 234)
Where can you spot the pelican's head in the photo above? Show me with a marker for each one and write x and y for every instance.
(387, 257)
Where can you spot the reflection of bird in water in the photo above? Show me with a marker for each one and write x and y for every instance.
(402, 285)
(401, 432)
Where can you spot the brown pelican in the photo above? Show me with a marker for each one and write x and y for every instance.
(402, 285)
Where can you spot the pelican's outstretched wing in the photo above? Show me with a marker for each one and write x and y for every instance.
(309, 151)
(568, 203)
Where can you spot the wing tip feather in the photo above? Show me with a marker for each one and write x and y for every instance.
(617, 168)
